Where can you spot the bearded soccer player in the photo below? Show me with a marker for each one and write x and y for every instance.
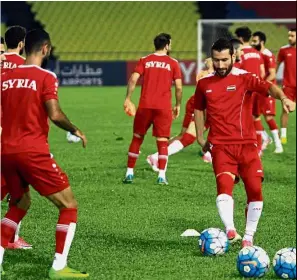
(187, 135)
(252, 61)
(14, 39)
(266, 105)
(29, 97)
(227, 97)
(287, 55)
(159, 71)
(237, 45)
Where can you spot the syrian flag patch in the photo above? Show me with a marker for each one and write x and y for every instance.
(231, 88)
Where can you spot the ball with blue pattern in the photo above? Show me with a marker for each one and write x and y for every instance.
(213, 241)
(252, 262)
(284, 263)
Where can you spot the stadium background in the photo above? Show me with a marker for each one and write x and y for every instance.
(97, 43)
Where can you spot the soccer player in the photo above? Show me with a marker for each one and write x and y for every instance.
(227, 97)
(29, 97)
(187, 136)
(14, 39)
(266, 105)
(237, 45)
(252, 61)
(159, 71)
(287, 55)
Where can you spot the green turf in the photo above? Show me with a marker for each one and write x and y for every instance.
(133, 231)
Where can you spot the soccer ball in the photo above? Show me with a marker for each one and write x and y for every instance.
(252, 262)
(72, 138)
(213, 241)
(284, 263)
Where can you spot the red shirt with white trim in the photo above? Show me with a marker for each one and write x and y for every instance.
(25, 124)
(228, 104)
(269, 62)
(251, 60)
(287, 54)
(12, 61)
(158, 71)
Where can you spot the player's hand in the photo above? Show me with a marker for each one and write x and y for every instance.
(83, 138)
(175, 111)
(129, 108)
(288, 105)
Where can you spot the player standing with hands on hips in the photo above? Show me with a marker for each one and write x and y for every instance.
(159, 70)
(226, 96)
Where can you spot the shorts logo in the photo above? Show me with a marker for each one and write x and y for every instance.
(231, 88)
(208, 91)
(259, 171)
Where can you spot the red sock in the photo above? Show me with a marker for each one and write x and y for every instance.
(187, 139)
(225, 184)
(259, 129)
(253, 188)
(134, 151)
(67, 216)
(272, 124)
(9, 224)
(163, 154)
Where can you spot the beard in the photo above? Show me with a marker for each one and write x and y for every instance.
(21, 51)
(257, 47)
(168, 53)
(292, 43)
(223, 72)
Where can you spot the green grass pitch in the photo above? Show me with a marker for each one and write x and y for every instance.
(133, 231)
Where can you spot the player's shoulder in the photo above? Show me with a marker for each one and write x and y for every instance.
(238, 72)
(285, 47)
(267, 52)
(14, 54)
(38, 70)
(207, 78)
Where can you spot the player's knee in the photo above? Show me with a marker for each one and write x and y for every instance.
(268, 118)
(225, 183)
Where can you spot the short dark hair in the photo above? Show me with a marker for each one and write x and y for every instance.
(35, 39)
(293, 29)
(261, 36)
(222, 44)
(244, 32)
(2, 40)
(161, 41)
(235, 43)
(14, 35)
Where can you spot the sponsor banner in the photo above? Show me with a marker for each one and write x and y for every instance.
(188, 69)
(90, 73)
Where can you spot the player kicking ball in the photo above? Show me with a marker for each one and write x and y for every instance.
(187, 135)
(29, 97)
(227, 97)
(159, 70)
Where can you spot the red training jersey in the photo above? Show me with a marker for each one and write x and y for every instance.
(158, 71)
(269, 62)
(25, 123)
(251, 60)
(12, 61)
(287, 54)
(228, 104)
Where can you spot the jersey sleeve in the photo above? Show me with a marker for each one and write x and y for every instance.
(271, 62)
(139, 67)
(200, 100)
(50, 88)
(176, 72)
(261, 59)
(255, 84)
(280, 56)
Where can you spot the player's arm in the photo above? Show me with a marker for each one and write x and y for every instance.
(277, 93)
(58, 117)
(131, 85)
(272, 74)
(178, 97)
(280, 59)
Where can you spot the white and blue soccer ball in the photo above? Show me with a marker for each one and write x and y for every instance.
(284, 263)
(253, 262)
(213, 241)
(72, 138)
